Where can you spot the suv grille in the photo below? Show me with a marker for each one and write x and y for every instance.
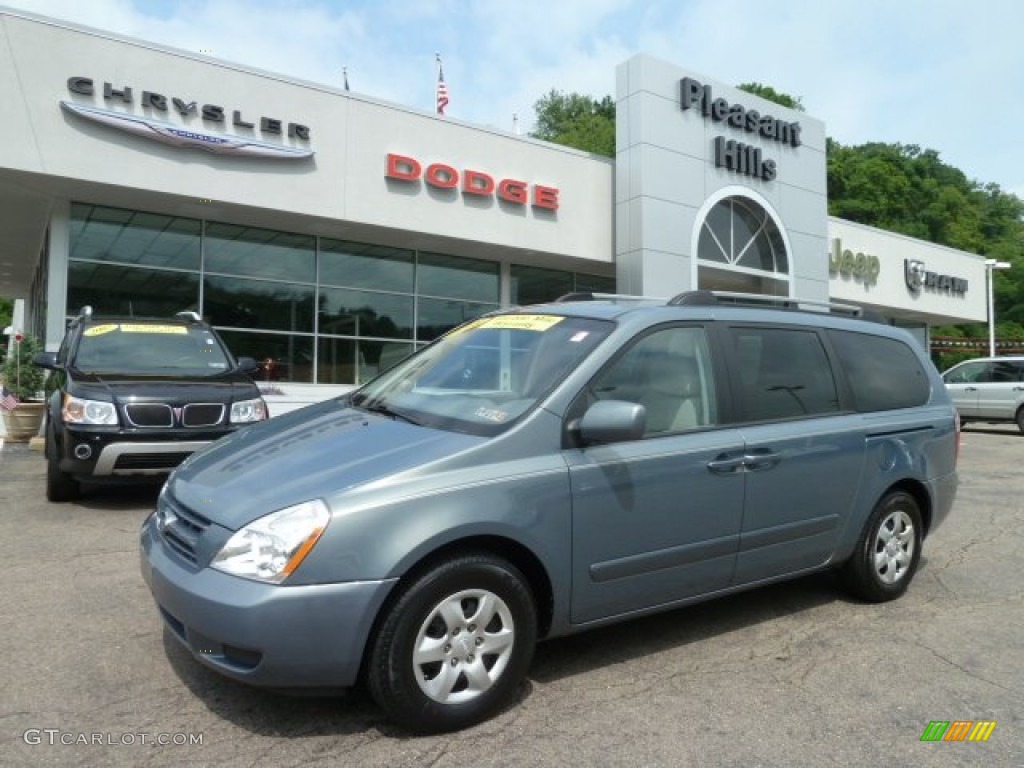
(164, 415)
(202, 415)
(149, 414)
(180, 527)
(140, 461)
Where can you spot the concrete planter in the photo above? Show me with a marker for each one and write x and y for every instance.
(22, 423)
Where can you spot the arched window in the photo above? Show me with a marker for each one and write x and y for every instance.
(741, 248)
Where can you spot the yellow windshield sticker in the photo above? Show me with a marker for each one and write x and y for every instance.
(99, 330)
(521, 322)
(137, 328)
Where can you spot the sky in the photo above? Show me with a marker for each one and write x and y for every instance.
(946, 75)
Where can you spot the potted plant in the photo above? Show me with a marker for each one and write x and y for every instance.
(22, 403)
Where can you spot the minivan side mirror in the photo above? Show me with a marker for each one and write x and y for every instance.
(612, 421)
(248, 365)
(46, 360)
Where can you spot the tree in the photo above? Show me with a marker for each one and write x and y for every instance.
(769, 93)
(6, 312)
(576, 120)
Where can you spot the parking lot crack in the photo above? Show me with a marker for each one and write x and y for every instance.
(962, 668)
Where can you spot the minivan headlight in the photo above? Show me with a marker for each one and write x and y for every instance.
(270, 548)
(246, 411)
(79, 411)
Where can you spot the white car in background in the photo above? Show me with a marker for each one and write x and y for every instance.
(989, 389)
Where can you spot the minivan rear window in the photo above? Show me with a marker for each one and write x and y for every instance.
(883, 373)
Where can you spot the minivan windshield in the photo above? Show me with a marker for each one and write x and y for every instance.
(138, 348)
(484, 375)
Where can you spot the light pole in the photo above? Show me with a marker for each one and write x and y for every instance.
(990, 265)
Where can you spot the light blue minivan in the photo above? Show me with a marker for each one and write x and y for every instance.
(542, 471)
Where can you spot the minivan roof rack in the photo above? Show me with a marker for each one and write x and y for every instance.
(706, 298)
(591, 296)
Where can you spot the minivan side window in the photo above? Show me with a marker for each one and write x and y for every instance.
(883, 373)
(669, 373)
(783, 373)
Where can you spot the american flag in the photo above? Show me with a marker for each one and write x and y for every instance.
(8, 401)
(442, 89)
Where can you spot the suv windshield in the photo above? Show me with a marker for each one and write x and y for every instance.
(150, 348)
(484, 375)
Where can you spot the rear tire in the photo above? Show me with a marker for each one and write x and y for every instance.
(1020, 419)
(60, 486)
(888, 551)
(455, 646)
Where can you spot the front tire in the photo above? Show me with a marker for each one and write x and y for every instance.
(455, 646)
(888, 551)
(60, 486)
(1020, 419)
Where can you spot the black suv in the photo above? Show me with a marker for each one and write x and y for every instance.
(131, 398)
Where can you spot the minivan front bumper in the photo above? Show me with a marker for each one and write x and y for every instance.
(269, 635)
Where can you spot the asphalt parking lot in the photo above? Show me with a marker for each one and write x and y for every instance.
(791, 675)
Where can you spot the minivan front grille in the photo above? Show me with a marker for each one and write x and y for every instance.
(180, 527)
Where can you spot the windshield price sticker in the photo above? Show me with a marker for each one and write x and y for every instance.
(136, 328)
(99, 330)
(521, 322)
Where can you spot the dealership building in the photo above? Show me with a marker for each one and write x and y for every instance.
(328, 233)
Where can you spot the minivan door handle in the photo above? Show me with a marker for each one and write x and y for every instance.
(723, 464)
(755, 462)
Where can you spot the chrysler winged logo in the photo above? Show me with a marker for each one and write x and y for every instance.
(914, 271)
(167, 133)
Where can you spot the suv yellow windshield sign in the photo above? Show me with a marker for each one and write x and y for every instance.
(137, 328)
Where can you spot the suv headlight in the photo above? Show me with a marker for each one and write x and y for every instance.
(79, 411)
(270, 548)
(246, 411)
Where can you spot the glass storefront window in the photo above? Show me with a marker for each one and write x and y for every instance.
(365, 313)
(535, 285)
(115, 290)
(437, 316)
(253, 252)
(595, 283)
(278, 296)
(282, 357)
(134, 237)
(458, 278)
(361, 265)
(258, 304)
(347, 361)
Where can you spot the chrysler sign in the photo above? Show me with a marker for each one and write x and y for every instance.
(180, 134)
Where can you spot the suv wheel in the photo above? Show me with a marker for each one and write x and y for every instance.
(1020, 419)
(888, 552)
(60, 486)
(455, 646)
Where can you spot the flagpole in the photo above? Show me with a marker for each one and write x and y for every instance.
(437, 75)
